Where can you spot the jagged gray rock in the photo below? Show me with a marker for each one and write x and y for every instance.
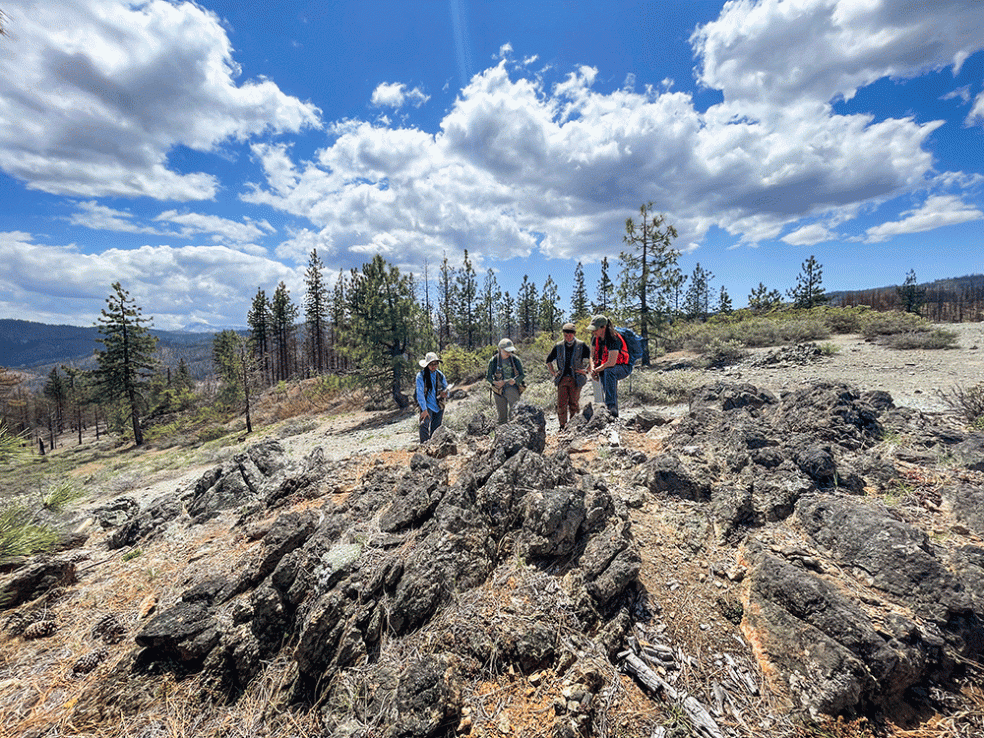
(830, 653)
(35, 580)
(147, 522)
(332, 581)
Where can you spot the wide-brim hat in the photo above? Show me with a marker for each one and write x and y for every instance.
(429, 359)
(569, 327)
(506, 345)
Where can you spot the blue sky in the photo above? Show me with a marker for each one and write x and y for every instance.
(197, 152)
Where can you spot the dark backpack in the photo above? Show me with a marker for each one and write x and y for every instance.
(633, 344)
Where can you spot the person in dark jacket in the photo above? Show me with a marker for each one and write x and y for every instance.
(570, 374)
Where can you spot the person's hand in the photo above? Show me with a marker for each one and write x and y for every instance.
(424, 415)
(499, 383)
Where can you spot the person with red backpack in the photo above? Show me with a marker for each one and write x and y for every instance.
(610, 359)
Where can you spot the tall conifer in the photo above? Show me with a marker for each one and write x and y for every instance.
(127, 359)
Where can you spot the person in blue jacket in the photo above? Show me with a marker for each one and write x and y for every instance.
(432, 391)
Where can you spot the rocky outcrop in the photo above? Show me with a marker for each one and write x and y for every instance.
(404, 555)
(386, 599)
(801, 462)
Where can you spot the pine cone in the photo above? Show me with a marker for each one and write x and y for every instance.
(16, 623)
(90, 661)
(109, 629)
(40, 629)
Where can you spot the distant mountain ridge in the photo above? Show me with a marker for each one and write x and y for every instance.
(28, 345)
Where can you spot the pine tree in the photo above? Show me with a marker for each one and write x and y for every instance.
(466, 303)
(911, 295)
(445, 296)
(491, 297)
(224, 357)
(127, 358)
(527, 306)
(724, 306)
(316, 311)
(235, 364)
(675, 279)
(762, 298)
(579, 299)
(551, 316)
(606, 290)
(508, 318)
(808, 291)
(56, 390)
(259, 320)
(182, 379)
(381, 309)
(283, 313)
(339, 317)
(697, 301)
(647, 266)
(77, 384)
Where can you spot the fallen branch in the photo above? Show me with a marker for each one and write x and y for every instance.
(699, 716)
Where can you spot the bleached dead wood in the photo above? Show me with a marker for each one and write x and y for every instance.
(699, 716)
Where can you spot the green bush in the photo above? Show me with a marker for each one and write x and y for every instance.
(758, 331)
(212, 433)
(462, 366)
(844, 319)
(722, 353)
(875, 325)
(937, 338)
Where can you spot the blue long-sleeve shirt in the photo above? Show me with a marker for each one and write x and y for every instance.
(429, 402)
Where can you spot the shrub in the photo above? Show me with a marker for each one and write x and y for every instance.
(937, 338)
(844, 319)
(297, 427)
(462, 366)
(722, 353)
(658, 388)
(874, 325)
(967, 403)
(212, 433)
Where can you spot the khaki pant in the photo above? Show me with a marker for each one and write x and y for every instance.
(568, 399)
(505, 402)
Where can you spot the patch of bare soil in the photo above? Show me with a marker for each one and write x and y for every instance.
(911, 377)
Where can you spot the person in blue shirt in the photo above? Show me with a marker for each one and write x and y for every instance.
(432, 391)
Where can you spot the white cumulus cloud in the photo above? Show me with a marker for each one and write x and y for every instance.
(396, 95)
(58, 283)
(936, 212)
(95, 94)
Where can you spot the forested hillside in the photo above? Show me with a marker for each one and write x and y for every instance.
(953, 300)
(28, 345)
